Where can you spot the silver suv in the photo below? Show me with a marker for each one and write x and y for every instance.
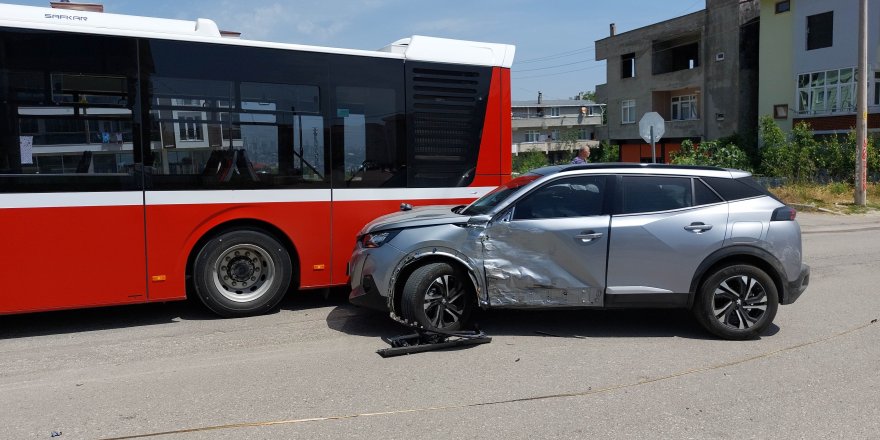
(591, 236)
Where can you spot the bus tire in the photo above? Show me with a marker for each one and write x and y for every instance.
(242, 272)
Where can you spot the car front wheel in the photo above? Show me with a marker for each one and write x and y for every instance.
(438, 296)
(737, 302)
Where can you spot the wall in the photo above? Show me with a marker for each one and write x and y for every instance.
(727, 89)
(642, 86)
(844, 49)
(776, 78)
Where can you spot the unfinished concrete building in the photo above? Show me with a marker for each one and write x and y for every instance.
(698, 71)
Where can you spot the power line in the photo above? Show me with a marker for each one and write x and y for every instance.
(553, 67)
(557, 73)
(558, 55)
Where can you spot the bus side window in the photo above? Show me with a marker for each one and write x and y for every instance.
(69, 120)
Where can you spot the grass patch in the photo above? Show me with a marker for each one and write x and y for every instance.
(833, 196)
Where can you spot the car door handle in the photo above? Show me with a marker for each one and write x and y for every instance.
(588, 236)
(697, 227)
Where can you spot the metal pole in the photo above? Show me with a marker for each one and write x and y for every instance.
(862, 109)
(653, 147)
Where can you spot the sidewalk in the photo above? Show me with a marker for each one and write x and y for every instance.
(812, 222)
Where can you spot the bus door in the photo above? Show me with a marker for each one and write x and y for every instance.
(369, 148)
(234, 145)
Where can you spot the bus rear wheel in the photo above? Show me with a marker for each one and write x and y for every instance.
(242, 272)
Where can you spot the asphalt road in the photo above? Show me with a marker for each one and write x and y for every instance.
(310, 370)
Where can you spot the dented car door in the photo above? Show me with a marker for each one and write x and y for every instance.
(550, 248)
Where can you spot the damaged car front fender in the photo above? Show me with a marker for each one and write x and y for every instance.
(419, 257)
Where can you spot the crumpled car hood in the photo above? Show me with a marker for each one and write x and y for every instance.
(417, 217)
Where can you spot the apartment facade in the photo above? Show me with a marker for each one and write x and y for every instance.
(555, 127)
(809, 63)
(698, 71)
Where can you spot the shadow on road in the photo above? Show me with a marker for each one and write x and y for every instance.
(102, 318)
(137, 315)
(352, 320)
(653, 323)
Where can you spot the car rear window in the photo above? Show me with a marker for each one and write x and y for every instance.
(655, 193)
(736, 189)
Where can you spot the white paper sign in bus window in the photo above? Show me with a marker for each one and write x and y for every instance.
(27, 149)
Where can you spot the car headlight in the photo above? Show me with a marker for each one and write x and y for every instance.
(377, 239)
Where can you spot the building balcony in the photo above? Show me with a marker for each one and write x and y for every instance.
(688, 128)
(565, 121)
(550, 146)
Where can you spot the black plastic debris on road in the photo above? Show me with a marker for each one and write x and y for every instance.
(430, 340)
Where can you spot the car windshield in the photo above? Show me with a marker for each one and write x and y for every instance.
(489, 201)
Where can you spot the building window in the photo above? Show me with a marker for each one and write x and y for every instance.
(628, 111)
(830, 91)
(684, 108)
(583, 134)
(628, 65)
(554, 111)
(554, 135)
(783, 6)
(820, 30)
(780, 111)
(190, 126)
(533, 136)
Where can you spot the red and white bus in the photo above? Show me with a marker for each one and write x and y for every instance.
(144, 158)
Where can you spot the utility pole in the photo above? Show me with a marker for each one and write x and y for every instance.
(862, 109)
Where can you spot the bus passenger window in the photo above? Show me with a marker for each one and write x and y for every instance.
(69, 122)
(230, 134)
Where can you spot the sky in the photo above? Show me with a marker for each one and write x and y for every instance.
(554, 39)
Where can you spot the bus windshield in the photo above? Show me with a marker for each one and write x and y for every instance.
(488, 202)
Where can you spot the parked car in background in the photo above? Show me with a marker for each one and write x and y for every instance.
(590, 236)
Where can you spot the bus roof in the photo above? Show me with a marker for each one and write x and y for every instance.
(416, 48)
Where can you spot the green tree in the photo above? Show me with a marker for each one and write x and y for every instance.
(606, 153)
(775, 149)
(585, 96)
(568, 139)
(769, 133)
(525, 162)
(721, 153)
(802, 155)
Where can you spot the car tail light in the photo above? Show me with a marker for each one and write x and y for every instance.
(785, 213)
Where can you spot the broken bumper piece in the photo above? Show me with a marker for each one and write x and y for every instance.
(430, 340)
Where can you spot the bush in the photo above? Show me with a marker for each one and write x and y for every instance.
(606, 153)
(525, 162)
(802, 157)
(721, 153)
(794, 158)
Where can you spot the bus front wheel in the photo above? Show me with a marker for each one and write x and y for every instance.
(241, 273)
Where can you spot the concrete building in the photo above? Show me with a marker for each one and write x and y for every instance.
(555, 127)
(809, 56)
(698, 71)
(776, 79)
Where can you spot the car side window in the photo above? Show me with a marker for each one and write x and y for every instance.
(655, 193)
(568, 197)
(703, 195)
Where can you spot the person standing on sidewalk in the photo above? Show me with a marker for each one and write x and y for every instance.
(582, 157)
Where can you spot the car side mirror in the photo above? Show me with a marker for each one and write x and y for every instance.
(479, 221)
